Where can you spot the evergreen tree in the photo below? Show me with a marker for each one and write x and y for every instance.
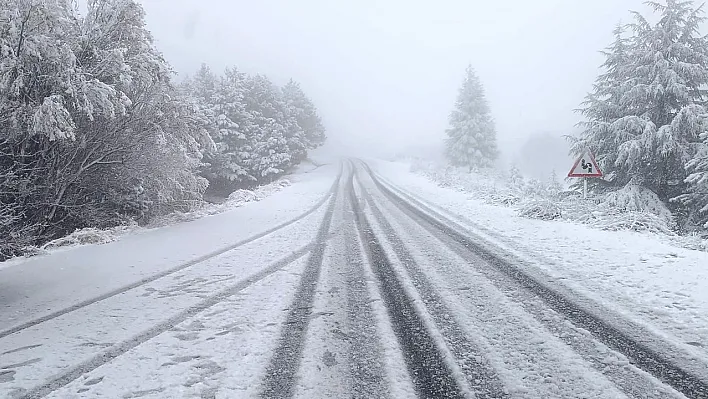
(230, 161)
(305, 113)
(257, 128)
(268, 132)
(471, 140)
(602, 108)
(516, 179)
(696, 196)
(554, 184)
(643, 116)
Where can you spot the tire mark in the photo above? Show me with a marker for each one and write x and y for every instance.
(168, 272)
(426, 365)
(24, 348)
(630, 380)
(480, 375)
(639, 354)
(366, 363)
(281, 372)
(117, 350)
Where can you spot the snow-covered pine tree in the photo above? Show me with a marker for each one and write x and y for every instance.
(696, 196)
(554, 186)
(267, 135)
(516, 179)
(199, 93)
(471, 140)
(290, 99)
(305, 114)
(228, 165)
(602, 108)
(643, 117)
(295, 135)
(203, 86)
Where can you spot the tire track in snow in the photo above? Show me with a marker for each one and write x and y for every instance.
(173, 270)
(631, 381)
(479, 374)
(639, 354)
(281, 372)
(427, 367)
(117, 350)
(365, 359)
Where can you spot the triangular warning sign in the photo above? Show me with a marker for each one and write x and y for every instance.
(585, 166)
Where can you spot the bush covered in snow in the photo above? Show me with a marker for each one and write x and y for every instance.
(630, 208)
(88, 235)
(92, 235)
(236, 199)
(541, 209)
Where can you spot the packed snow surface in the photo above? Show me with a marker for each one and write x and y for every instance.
(643, 275)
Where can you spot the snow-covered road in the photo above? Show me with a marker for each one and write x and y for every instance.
(358, 290)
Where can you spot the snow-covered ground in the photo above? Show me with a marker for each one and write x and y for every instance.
(361, 296)
(40, 285)
(641, 275)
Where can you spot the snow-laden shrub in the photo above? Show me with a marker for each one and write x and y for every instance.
(484, 184)
(86, 236)
(240, 196)
(236, 199)
(632, 208)
(506, 199)
(636, 199)
(636, 221)
(244, 196)
(541, 209)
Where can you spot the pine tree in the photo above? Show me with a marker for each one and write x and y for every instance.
(642, 115)
(230, 162)
(267, 133)
(603, 108)
(516, 179)
(554, 185)
(696, 196)
(204, 86)
(305, 114)
(471, 140)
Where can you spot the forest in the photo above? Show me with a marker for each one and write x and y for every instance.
(96, 130)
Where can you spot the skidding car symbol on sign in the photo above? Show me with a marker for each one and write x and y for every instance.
(585, 166)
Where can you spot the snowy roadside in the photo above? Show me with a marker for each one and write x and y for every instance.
(644, 276)
(41, 284)
(95, 236)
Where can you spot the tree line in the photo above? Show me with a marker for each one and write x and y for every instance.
(645, 120)
(259, 130)
(94, 132)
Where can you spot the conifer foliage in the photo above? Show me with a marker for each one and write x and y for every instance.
(646, 119)
(471, 138)
(260, 131)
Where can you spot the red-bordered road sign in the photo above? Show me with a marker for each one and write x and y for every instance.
(585, 166)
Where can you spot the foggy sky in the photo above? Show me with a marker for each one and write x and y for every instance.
(384, 73)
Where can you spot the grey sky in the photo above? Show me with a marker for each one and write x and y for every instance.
(385, 72)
